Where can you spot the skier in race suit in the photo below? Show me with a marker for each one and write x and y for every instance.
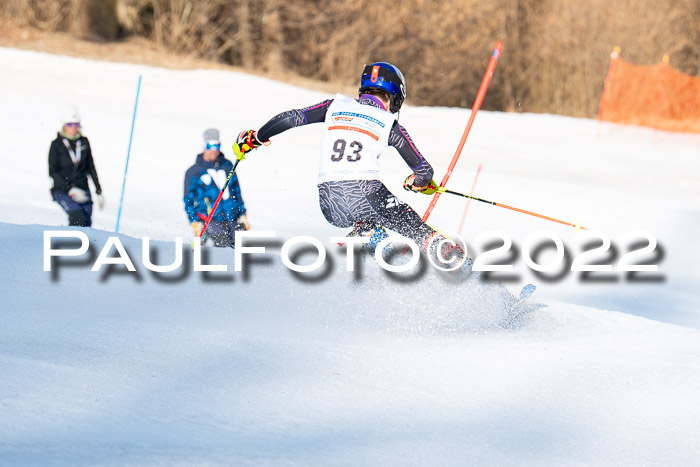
(356, 133)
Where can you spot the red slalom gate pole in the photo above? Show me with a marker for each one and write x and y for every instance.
(475, 108)
(471, 193)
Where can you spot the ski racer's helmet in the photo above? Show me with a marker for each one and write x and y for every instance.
(387, 77)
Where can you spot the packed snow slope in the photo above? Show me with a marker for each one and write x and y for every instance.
(333, 367)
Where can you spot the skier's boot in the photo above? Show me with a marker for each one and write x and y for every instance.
(371, 229)
(444, 254)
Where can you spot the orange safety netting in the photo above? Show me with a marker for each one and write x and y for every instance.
(652, 95)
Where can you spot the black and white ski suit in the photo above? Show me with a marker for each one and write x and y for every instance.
(345, 200)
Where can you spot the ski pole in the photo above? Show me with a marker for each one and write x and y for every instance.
(239, 158)
(475, 108)
(444, 190)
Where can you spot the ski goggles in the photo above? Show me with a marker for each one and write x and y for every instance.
(212, 145)
(73, 124)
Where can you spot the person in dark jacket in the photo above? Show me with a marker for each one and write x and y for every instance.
(203, 182)
(70, 162)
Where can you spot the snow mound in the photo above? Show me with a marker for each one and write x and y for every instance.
(270, 367)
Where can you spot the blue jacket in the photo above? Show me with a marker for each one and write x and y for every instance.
(203, 182)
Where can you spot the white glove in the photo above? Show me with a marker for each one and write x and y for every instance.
(100, 202)
(79, 195)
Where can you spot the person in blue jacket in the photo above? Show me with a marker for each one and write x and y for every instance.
(203, 182)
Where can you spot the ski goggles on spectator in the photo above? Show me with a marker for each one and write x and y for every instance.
(73, 124)
(212, 145)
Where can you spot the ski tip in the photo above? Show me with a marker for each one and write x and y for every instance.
(526, 291)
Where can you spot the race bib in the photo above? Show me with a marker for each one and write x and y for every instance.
(354, 138)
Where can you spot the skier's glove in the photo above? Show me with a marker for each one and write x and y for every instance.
(426, 190)
(100, 202)
(197, 228)
(247, 141)
(243, 223)
(78, 195)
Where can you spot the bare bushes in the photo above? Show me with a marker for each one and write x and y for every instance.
(556, 52)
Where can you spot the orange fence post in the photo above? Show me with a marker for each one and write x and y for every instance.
(608, 81)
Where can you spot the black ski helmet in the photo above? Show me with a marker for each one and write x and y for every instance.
(387, 77)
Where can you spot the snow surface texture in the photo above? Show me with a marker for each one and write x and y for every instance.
(124, 368)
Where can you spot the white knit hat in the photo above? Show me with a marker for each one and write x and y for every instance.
(211, 135)
(71, 116)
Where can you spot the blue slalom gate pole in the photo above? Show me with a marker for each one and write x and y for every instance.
(128, 153)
